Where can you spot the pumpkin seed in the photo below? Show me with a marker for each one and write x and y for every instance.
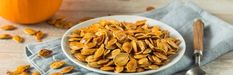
(143, 61)
(86, 51)
(102, 61)
(36, 73)
(141, 45)
(5, 36)
(75, 45)
(109, 63)
(45, 53)
(80, 57)
(7, 27)
(39, 36)
(131, 65)
(67, 69)
(107, 68)
(57, 64)
(134, 45)
(153, 67)
(118, 69)
(121, 59)
(139, 56)
(90, 59)
(161, 56)
(29, 31)
(156, 59)
(127, 47)
(115, 52)
(99, 52)
(18, 39)
(94, 64)
(140, 69)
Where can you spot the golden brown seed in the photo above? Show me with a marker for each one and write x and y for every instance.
(127, 47)
(90, 45)
(120, 35)
(106, 52)
(84, 19)
(143, 61)
(68, 24)
(140, 69)
(56, 73)
(75, 35)
(80, 57)
(75, 45)
(150, 58)
(161, 56)
(74, 39)
(22, 68)
(86, 51)
(115, 52)
(24, 73)
(131, 65)
(150, 8)
(140, 22)
(52, 21)
(112, 41)
(110, 63)
(5, 36)
(173, 44)
(153, 67)
(29, 31)
(121, 59)
(36, 73)
(147, 51)
(118, 45)
(156, 59)
(134, 45)
(107, 68)
(57, 64)
(39, 36)
(99, 52)
(102, 61)
(67, 69)
(94, 64)
(119, 69)
(171, 52)
(11, 73)
(141, 45)
(90, 58)
(149, 44)
(7, 27)
(139, 56)
(18, 39)
(45, 53)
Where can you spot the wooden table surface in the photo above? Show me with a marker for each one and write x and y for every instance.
(12, 54)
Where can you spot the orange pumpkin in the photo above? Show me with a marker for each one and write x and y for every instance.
(28, 11)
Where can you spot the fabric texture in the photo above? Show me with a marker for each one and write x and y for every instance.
(179, 15)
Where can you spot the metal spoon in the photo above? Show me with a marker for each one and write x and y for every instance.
(198, 30)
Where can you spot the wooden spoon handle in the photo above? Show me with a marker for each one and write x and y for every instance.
(198, 32)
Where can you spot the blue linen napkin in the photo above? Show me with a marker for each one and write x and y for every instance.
(179, 15)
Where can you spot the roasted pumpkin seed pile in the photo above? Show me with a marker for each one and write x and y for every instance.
(110, 45)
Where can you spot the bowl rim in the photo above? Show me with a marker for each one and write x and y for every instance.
(177, 57)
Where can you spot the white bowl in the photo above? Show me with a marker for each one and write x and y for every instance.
(127, 18)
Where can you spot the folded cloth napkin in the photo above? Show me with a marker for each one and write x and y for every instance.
(179, 15)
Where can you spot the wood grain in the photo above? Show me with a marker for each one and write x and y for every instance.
(198, 32)
(12, 54)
